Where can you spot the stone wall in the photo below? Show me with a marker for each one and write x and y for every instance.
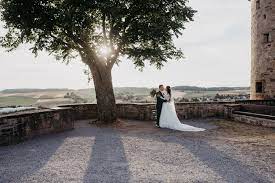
(144, 111)
(229, 109)
(200, 110)
(82, 111)
(260, 115)
(18, 127)
(260, 109)
(258, 121)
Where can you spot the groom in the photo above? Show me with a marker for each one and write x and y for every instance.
(160, 100)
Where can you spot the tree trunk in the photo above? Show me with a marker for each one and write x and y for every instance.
(106, 104)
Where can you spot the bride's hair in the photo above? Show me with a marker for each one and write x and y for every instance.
(168, 89)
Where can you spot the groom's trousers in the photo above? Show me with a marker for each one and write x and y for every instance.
(159, 105)
(159, 108)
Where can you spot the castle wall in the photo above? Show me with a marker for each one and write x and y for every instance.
(263, 49)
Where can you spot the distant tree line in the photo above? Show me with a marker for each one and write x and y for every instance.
(195, 88)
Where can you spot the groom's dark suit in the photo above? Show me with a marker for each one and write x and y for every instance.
(160, 101)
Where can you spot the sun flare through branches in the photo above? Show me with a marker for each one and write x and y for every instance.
(104, 51)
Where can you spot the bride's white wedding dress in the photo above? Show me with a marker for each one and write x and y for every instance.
(169, 118)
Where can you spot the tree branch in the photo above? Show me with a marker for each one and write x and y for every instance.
(111, 33)
(83, 57)
(113, 60)
(85, 48)
(104, 28)
(64, 42)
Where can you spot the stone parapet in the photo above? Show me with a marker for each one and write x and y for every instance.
(19, 127)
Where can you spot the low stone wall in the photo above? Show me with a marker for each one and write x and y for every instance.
(257, 102)
(82, 111)
(261, 109)
(260, 115)
(229, 110)
(128, 111)
(200, 110)
(254, 120)
(136, 111)
(18, 127)
(144, 111)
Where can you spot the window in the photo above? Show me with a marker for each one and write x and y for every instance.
(267, 38)
(258, 4)
(264, 16)
(259, 87)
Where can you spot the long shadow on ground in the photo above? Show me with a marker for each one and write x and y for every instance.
(230, 169)
(108, 162)
(225, 166)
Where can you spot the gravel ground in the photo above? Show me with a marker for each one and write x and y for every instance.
(134, 151)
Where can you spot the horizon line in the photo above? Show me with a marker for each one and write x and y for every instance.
(30, 88)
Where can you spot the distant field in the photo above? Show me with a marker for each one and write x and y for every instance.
(126, 90)
(133, 90)
(53, 97)
(17, 100)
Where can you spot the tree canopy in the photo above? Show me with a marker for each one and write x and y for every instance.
(103, 29)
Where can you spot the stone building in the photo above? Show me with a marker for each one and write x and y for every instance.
(263, 49)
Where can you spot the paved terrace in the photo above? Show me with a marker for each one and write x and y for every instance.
(135, 151)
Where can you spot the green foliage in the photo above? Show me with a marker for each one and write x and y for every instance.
(141, 30)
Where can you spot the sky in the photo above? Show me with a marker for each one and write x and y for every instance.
(216, 47)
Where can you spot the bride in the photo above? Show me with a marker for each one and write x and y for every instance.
(169, 118)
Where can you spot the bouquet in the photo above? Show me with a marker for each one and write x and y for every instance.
(153, 93)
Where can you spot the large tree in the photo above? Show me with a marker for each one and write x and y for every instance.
(100, 32)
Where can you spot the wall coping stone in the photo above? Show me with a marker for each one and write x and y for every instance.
(255, 115)
(27, 113)
(233, 105)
